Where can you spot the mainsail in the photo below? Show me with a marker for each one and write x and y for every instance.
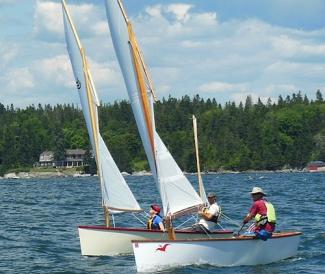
(113, 185)
(176, 192)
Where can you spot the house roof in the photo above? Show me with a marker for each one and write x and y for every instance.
(75, 151)
(47, 153)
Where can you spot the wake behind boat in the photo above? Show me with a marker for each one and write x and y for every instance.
(153, 255)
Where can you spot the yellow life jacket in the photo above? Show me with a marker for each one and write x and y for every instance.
(150, 224)
(270, 215)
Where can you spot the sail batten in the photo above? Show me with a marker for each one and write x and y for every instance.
(113, 185)
(177, 194)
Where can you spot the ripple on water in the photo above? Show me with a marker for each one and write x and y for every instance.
(39, 234)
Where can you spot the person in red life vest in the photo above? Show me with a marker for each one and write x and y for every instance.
(155, 221)
(263, 214)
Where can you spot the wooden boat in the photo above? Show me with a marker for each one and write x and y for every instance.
(99, 240)
(178, 197)
(110, 241)
(154, 255)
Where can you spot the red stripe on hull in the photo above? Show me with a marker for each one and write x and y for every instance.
(134, 229)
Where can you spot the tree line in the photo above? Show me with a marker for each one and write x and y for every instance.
(247, 136)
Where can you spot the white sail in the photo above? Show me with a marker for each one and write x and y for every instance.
(116, 194)
(176, 192)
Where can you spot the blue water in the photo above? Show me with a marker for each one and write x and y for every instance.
(39, 219)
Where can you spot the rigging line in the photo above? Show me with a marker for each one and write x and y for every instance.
(138, 219)
(230, 220)
(189, 219)
(113, 220)
(220, 226)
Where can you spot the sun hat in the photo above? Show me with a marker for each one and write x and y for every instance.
(156, 208)
(257, 190)
(211, 194)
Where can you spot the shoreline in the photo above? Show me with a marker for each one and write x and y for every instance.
(67, 173)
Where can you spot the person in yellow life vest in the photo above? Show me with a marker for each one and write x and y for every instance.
(155, 221)
(263, 214)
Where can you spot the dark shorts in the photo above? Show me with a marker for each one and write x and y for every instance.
(263, 234)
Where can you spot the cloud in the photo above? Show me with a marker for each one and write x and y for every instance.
(53, 71)
(7, 53)
(187, 49)
(290, 47)
(231, 57)
(180, 11)
(216, 87)
(46, 19)
(18, 80)
(48, 22)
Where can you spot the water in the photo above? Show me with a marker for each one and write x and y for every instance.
(39, 219)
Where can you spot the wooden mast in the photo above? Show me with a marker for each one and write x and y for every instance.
(201, 188)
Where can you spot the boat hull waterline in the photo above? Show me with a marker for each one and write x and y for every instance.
(160, 255)
(109, 241)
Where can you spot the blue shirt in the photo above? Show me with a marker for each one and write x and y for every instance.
(157, 220)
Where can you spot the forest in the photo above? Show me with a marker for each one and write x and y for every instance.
(288, 133)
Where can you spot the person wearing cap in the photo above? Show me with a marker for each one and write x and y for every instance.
(210, 215)
(263, 214)
(155, 221)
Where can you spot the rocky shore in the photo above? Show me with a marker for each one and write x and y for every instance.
(72, 173)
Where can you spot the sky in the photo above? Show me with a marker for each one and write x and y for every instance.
(222, 49)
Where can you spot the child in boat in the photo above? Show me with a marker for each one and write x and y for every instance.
(155, 221)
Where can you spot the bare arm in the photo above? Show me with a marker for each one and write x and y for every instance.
(248, 218)
(206, 215)
(161, 226)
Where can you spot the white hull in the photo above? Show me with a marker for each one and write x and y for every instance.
(103, 241)
(159, 255)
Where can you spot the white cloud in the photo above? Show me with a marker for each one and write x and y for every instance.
(7, 53)
(17, 80)
(47, 18)
(180, 11)
(216, 87)
(53, 71)
(48, 22)
(187, 51)
(289, 47)
(105, 75)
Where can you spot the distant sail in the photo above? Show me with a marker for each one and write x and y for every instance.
(116, 194)
(176, 192)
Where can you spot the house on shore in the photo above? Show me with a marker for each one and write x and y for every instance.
(73, 158)
(316, 166)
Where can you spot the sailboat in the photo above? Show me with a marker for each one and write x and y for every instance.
(154, 255)
(177, 194)
(106, 240)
